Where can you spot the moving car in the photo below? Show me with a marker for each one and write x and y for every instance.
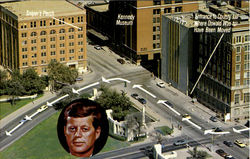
(221, 152)
(161, 84)
(240, 144)
(217, 129)
(169, 104)
(228, 143)
(213, 118)
(23, 120)
(142, 100)
(180, 142)
(121, 61)
(42, 108)
(186, 116)
(134, 95)
(97, 47)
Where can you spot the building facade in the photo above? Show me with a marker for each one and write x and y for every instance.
(34, 33)
(224, 85)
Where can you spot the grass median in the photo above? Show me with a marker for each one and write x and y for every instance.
(42, 142)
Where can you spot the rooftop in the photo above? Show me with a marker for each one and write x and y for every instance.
(41, 9)
(100, 7)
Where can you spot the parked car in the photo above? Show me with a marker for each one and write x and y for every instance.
(121, 61)
(161, 84)
(79, 79)
(240, 144)
(217, 129)
(180, 142)
(142, 100)
(97, 47)
(213, 118)
(169, 104)
(135, 95)
(221, 152)
(186, 116)
(229, 157)
(228, 143)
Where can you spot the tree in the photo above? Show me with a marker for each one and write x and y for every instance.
(61, 75)
(118, 102)
(196, 154)
(32, 83)
(15, 89)
(3, 82)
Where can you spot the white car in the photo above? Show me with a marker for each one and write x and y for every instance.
(42, 108)
(161, 84)
(97, 47)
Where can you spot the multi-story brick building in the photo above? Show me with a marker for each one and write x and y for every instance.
(140, 38)
(224, 86)
(34, 33)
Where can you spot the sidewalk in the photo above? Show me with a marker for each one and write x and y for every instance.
(27, 107)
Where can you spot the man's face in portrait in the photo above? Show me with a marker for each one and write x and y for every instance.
(81, 135)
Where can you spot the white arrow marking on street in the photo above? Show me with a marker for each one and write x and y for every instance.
(12, 130)
(211, 131)
(238, 131)
(195, 125)
(66, 23)
(113, 79)
(34, 114)
(139, 87)
(163, 102)
(75, 91)
(208, 131)
(49, 104)
(58, 99)
(91, 85)
(27, 117)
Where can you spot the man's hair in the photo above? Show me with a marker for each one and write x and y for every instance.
(83, 108)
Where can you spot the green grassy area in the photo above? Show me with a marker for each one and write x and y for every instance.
(164, 130)
(42, 142)
(6, 108)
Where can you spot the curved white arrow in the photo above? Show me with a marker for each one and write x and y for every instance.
(12, 130)
(113, 79)
(88, 86)
(163, 102)
(34, 114)
(238, 131)
(195, 125)
(215, 133)
(139, 87)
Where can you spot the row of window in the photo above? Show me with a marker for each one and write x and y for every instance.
(246, 48)
(246, 67)
(246, 98)
(158, 2)
(241, 39)
(167, 10)
(53, 22)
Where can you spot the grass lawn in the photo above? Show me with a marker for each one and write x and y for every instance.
(164, 130)
(6, 108)
(42, 142)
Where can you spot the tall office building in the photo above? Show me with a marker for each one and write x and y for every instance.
(135, 26)
(224, 86)
(34, 33)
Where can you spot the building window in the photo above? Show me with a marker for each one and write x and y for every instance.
(25, 56)
(61, 37)
(156, 11)
(80, 29)
(24, 34)
(80, 42)
(237, 83)
(246, 66)
(238, 58)
(62, 45)
(158, 28)
(71, 58)
(53, 46)
(62, 31)
(178, 9)
(52, 32)
(247, 38)
(81, 50)
(178, 1)
(62, 51)
(80, 57)
(238, 39)
(238, 49)
(43, 47)
(33, 41)
(33, 48)
(71, 37)
(33, 34)
(43, 54)
(34, 56)
(237, 67)
(24, 49)
(71, 29)
(72, 20)
(25, 63)
(71, 50)
(62, 59)
(246, 97)
(52, 39)
(34, 62)
(43, 40)
(167, 1)
(247, 48)
(167, 10)
(80, 35)
(237, 76)
(43, 33)
(52, 53)
(44, 70)
(246, 74)
(71, 44)
(157, 2)
(81, 18)
(24, 42)
(236, 98)
(43, 62)
(247, 57)
(246, 82)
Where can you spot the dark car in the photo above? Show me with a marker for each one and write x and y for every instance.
(213, 118)
(142, 100)
(221, 152)
(134, 95)
(217, 130)
(180, 142)
(169, 104)
(121, 61)
(228, 143)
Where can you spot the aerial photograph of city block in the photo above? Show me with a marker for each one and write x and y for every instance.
(124, 79)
